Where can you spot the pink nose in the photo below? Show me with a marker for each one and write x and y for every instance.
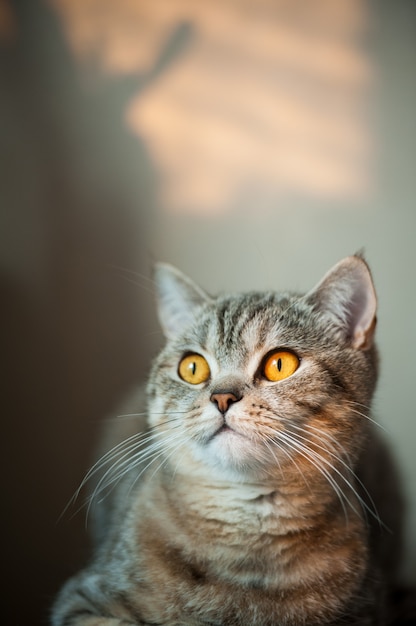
(224, 400)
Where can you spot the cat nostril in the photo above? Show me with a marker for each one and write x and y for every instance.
(224, 400)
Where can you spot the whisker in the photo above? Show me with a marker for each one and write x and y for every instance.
(142, 414)
(367, 417)
(121, 450)
(266, 440)
(153, 413)
(153, 453)
(363, 406)
(122, 271)
(132, 272)
(291, 459)
(162, 452)
(136, 283)
(124, 447)
(307, 454)
(167, 456)
(137, 458)
(103, 483)
(131, 441)
(333, 441)
(370, 419)
(128, 461)
(370, 509)
(177, 464)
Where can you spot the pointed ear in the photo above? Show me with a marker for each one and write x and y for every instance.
(177, 299)
(347, 296)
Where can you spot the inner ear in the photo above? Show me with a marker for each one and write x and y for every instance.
(347, 296)
(178, 299)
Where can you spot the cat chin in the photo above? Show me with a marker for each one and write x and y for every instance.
(235, 456)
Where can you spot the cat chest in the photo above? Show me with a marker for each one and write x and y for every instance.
(195, 553)
(245, 542)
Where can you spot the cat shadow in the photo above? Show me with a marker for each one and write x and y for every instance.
(79, 193)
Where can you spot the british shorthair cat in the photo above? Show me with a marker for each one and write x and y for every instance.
(251, 486)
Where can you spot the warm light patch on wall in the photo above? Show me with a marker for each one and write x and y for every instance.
(7, 21)
(263, 94)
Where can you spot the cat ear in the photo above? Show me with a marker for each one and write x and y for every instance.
(347, 296)
(177, 299)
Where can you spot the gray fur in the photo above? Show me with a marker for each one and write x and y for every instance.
(199, 523)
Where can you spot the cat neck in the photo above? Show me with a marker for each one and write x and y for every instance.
(253, 506)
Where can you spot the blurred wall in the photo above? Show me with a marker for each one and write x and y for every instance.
(254, 157)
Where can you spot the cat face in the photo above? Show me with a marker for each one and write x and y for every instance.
(254, 384)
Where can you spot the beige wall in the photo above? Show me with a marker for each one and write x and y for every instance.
(105, 168)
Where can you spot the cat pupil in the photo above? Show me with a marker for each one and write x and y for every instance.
(279, 364)
(193, 368)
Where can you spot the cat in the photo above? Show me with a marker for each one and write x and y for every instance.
(255, 489)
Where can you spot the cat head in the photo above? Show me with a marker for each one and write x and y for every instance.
(251, 382)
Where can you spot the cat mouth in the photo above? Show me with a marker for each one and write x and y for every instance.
(225, 429)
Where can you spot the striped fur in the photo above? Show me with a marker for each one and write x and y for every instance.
(277, 520)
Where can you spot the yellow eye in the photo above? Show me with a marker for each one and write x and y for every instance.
(194, 369)
(280, 365)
